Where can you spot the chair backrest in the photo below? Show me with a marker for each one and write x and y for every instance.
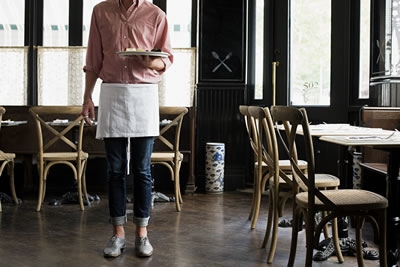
(292, 118)
(170, 130)
(267, 142)
(2, 111)
(387, 118)
(251, 128)
(59, 128)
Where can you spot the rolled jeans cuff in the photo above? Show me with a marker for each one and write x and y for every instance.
(121, 220)
(141, 222)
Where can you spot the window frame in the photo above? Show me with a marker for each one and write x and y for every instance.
(33, 35)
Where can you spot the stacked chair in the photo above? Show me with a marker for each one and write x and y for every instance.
(261, 175)
(310, 199)
(285, 188)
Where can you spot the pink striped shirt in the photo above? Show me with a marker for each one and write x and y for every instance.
(114, 29)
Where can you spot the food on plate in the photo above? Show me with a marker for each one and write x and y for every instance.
(132, 49)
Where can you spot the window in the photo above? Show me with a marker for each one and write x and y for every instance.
(13, 82)
(179, 13)
(60, 79)
(87, 15)
(259, 59)
(365, 28)
(55, 22)
(310, 52)
(12, 24)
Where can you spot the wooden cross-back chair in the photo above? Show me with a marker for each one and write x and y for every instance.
(7, 162)
(166, 148)
(261, 176)
(59, 132)
(357, 203)
(258, 174)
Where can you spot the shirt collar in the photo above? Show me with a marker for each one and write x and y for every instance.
(135, 2)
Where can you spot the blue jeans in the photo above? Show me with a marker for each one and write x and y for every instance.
(116, 154)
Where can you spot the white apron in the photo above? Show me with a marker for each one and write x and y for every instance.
(128, 110)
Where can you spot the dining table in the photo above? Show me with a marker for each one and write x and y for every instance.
(384, 140)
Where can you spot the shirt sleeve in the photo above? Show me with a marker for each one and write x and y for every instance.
(94, 55)
(163, 42)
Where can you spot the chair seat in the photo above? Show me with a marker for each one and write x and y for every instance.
(165, 156)
(284, 164)
(64, 156)
(322, 180)
(349, 199)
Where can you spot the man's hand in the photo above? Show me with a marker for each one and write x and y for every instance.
(88, 112)
(154, 63)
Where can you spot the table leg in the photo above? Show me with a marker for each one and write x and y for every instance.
(393, 211)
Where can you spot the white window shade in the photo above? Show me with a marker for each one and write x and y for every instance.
(13, 82)
(178, 82)
(61, 80)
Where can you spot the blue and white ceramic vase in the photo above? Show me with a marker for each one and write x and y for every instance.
(215, 162)
(357, 158)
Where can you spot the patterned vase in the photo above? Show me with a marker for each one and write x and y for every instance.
(357, 158)
(215, 155)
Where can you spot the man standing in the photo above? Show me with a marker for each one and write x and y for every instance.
(128, 115)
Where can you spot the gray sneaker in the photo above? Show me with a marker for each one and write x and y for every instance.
(114, 247)
(143, 247)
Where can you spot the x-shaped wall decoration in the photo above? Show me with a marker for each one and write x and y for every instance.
(221, 61)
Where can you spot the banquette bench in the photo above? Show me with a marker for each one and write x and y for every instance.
(374, 162)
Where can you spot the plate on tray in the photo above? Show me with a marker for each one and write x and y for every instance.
(143, 53)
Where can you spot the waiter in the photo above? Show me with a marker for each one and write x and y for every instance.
(128, 115)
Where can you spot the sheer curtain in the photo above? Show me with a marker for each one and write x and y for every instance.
(61, 78)
(178, 82)
(13, 81)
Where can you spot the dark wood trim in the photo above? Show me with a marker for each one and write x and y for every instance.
(75, 23)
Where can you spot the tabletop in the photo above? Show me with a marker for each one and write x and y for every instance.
(391, 140)
(339, 129)
(12, 123)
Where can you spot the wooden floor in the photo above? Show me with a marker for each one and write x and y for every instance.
(211, 230)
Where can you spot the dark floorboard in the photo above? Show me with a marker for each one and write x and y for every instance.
(211, 230)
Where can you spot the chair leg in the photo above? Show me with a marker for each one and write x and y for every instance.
(257, 204)
(359, 248)
(269, 219)
(293, 245)
(84, 189)
(178, 197)
(274, 237)
(79, 181)
(41, 189)
(253, 200)
(335, 238)
(381, 220)
(12, 182)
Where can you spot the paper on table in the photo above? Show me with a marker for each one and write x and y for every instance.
(12, 123)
